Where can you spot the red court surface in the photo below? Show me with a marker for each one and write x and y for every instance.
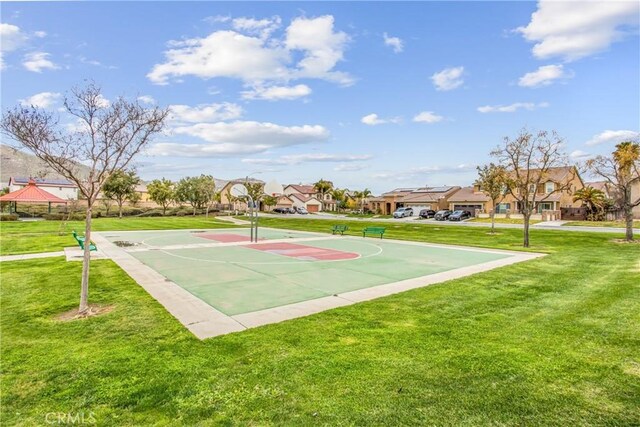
(303, 252)
(226, 237)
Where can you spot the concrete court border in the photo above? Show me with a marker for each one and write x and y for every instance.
(204, 321)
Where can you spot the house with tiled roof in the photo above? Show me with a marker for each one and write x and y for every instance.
(435, 198)
(304, 193)
(62, 188)
(388, 202)
(470, 199)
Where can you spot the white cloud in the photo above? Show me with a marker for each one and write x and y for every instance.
(448, 79)
(217, 19)
(12, 38)
(102, 101)
(349, 167)
(323, 48)
(512, 108)
(222, 54)
(38, 61)
(295, 159)
(427, 117)
(41, 100)
(613, 137)
(40, 34)
(373, 120)
(257, 59)
(146, 99)
(205, 113)
(275, 93)
(544, 76)
(579, 155)
(394, 42)
(259, 27)
(239, 137)
(573, 30)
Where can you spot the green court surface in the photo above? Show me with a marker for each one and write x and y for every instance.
(223, 269)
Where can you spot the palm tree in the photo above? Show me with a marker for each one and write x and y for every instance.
(323, 187)
(593, 199)
(363, 195)
(339, 196)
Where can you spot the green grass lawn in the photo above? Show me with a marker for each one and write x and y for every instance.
(618, 224)
(20, 237)
(554, 341)
(504, 220)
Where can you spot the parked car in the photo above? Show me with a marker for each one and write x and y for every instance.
(402, 212)
(291, 210)
(281, 210)
(459, 215)
(442, 215)
(427, 213)
(302, 210)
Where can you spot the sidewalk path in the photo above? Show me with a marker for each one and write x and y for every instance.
(233, 220)
(30, 256)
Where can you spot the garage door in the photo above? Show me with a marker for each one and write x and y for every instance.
(313, 208)
(470, 208)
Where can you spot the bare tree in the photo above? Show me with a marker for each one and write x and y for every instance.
(528, 161)
(622, 171)
(105, 137)
(491, 180)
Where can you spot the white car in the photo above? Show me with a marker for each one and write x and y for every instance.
(403, 212)
(302, 211)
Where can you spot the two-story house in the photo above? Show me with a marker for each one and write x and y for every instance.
(306, 196)
(548, 197)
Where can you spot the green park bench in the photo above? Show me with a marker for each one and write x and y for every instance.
(339, 228)
(373, 230)
(80, 240)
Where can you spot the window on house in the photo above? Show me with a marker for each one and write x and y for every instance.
(549, 187)
(503, 208)
(532, 188)
(545, 206)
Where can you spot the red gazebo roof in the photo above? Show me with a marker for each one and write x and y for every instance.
(32, 194)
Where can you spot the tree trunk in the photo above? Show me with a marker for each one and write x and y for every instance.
(194, 211)
(86, 259)
(164, 210)
(493, 221)
(527, 217)
(120, 208)
(628, 216)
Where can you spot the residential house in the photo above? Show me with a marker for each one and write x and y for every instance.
(311, 203)
(61, 188)
(546, 198)
(435, 198)
(388, 202)
(605, 187)
(472, 199)
(307, 194)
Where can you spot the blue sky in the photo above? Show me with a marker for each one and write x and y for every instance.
(378, 95)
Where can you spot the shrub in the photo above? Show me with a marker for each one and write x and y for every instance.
(9, 217)
(152, 213)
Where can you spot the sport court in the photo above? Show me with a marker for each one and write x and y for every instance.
(243, 280)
